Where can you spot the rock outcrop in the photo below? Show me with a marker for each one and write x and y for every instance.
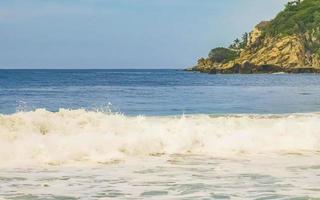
(296, 52)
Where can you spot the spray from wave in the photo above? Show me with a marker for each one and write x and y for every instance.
(79, 136)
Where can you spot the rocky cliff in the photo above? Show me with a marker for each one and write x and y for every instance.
(288, 43)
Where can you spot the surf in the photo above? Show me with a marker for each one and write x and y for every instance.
(87, 137)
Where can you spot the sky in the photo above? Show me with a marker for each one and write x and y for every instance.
(120, 34)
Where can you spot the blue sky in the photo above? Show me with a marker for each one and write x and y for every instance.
(122, 33)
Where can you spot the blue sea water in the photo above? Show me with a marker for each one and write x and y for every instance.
(158, 92)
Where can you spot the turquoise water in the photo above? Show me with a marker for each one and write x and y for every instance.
(157, 92)
(158, 134)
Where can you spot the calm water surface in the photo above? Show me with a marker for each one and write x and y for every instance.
(158, 92)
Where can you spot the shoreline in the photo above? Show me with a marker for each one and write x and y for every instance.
(248, 68)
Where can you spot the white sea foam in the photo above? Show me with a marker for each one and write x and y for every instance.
(80, 137)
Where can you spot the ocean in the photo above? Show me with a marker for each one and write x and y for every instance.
(158, 134)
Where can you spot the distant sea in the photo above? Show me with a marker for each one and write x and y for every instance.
(158, 134)
(157, 92)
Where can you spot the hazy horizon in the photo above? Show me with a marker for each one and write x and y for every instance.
(122, 34)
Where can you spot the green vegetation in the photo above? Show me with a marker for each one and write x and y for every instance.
(298, 17)
(222, 55)
(240, 43)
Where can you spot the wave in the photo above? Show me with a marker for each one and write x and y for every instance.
(80, 136)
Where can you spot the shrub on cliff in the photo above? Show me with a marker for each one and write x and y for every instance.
(222, 55)
(298, 17)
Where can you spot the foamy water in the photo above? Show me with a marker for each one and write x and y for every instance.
(80, 137)
(280, 176)
(78, 154)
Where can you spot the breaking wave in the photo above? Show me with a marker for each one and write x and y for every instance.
(80, 136)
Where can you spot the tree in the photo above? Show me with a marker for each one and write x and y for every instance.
(240, 44)
(235, 44)
(293, 4)
(244, 41)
